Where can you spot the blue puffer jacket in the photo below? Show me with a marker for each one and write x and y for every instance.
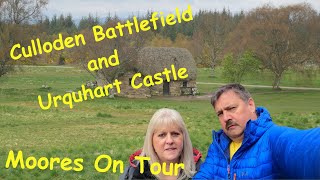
(268, 151)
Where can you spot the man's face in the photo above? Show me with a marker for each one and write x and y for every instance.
(234, 113)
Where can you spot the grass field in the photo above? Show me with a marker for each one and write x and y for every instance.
(116, 127)
(307, 78)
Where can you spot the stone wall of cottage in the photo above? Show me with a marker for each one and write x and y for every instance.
(177, 88)
(189, 88)
(128, 91)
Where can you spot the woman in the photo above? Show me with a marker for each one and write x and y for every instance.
(167, 141)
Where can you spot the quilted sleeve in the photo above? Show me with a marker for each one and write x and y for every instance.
(206, 168)
(296, 153)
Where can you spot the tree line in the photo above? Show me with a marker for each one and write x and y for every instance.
(272, 38)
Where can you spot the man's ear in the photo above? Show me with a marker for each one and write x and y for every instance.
(252, 105)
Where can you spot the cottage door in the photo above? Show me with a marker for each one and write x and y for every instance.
(166, 88)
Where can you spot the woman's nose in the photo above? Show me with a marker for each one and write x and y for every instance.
(169, 139)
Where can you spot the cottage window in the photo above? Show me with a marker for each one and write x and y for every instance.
(185, 84)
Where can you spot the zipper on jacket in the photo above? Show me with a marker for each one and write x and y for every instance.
(228, 160)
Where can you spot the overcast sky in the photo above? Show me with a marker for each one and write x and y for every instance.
(123, 8)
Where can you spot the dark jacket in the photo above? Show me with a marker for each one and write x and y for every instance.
(268, 151)
(133, 170)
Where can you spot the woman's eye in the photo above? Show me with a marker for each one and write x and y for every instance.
(161, 135)
(175, 134)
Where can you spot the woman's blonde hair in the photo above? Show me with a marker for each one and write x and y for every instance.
(164, 117)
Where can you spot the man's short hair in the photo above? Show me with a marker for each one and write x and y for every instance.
(236, 88)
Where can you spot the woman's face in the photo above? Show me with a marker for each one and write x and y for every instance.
(168, 143)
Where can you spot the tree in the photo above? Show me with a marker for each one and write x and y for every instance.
(127, 46)
(6, 64)
(88, 22)
(69, 25)
(211, 30)
(281, 37)
(234, 69)
(22, 11)
(14, 14)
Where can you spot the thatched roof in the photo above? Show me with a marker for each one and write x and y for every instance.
(153, 60)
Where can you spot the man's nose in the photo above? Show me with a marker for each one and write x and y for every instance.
(226, 116)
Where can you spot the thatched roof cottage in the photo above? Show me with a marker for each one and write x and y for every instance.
(152, 60)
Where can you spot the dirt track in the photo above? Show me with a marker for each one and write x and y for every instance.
(208, 95)
(263, 86)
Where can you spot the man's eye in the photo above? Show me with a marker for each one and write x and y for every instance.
(219, 114)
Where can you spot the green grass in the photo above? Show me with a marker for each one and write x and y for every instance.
(290, 78)
(115, 127)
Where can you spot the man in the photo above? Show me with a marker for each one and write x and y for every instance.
(251, 146)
